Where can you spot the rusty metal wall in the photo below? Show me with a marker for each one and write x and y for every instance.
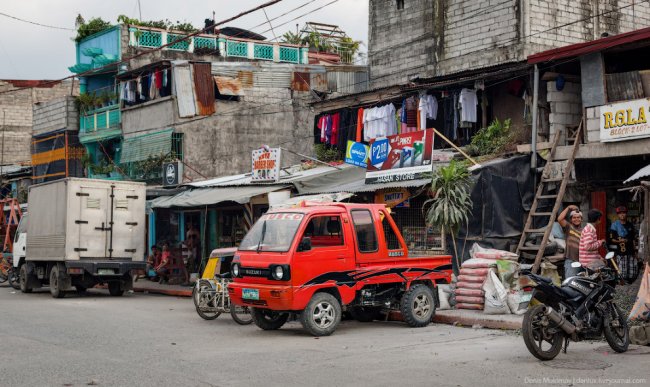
(624, 86)
(204, 88)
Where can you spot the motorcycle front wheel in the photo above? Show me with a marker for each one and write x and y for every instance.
(615, 329)
(541, 335)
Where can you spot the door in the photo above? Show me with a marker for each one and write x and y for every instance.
(123, 238)
(93, 222)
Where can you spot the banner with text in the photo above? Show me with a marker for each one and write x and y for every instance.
(400, 157)
(625, 121)
(266, 165)
(357, 154)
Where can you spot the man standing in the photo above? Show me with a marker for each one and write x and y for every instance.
(572, 232)
(589, 242)
(622, 235)
(193, 243)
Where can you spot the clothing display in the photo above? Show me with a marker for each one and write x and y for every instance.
(428, 108)
(379, 122)
(468, 102)
(146, 87)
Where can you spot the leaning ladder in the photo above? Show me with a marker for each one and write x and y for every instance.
(541, 196)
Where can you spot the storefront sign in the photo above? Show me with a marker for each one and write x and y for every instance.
(400, 157)
(357, 154)
(625, 120)
(266, 165)
(172, 173)
(392, 197)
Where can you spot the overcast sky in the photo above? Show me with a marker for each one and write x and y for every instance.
(29, 51)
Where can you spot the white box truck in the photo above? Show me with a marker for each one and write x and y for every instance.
(84, 232)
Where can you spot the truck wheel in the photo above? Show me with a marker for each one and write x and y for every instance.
(56, 281)
(418, 306)
(322, 315)
(24, 280)
(269, 320)
(115, 289)
(14, 278)
(365, 313)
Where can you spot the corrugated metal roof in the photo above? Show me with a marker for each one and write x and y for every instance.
(204, 89)
(201, 197)
(184, 86)
(142, 147)
(262, 74)
(641, 173)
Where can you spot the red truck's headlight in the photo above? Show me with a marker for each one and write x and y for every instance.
(280, 272)
(234, 270)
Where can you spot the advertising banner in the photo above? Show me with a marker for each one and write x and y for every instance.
(625, 121)
(357, 154)
(393, 197)
(400, 157)
(266, 165)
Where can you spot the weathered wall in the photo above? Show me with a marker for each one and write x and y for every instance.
(566, 108)
(56, 114)
(221, 144)
(18, 114)
(156, 114)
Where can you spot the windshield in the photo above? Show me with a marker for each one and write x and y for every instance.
(272, 232)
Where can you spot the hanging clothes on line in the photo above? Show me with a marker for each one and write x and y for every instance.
(468, 102)
(428, 108)
(379, 122)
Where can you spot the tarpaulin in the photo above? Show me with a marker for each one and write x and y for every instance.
(201, 197)
(501, 196)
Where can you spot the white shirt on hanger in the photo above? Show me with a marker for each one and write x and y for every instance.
(468, 102)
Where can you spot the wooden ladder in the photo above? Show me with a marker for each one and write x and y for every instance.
(542, 196)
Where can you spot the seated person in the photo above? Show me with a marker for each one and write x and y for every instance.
(163, 270)
(153, 261)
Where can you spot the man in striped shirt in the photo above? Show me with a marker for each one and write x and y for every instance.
(589, 242)
(572, 231)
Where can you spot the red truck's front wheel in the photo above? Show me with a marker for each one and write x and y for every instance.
(418, 306)
(322, 315)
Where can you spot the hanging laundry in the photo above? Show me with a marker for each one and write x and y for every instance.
(139, 88)
(411, 114)
(468, 102)
(164, 78)
(335, 129)
(158, 77)
(428, 108)
(359, 137)
(152, 87)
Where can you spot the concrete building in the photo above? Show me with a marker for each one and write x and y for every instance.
(17, 98)
(429, 38)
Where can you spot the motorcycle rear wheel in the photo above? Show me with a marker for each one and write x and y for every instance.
(616, 330)
(535, 332)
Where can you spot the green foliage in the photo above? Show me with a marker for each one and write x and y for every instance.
(326, 154)
(451, 203)
(491, 140)
(149, 169)
(103, 168)
(162, 24)
(93, 26)
(85, 102)
(291, 38)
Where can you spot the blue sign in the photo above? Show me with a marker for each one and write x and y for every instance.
(356, 154)
(379, 151)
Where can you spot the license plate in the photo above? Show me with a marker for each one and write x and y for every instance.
(250, 294)
(105, 271)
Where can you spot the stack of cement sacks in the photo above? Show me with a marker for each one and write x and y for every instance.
(469, 292)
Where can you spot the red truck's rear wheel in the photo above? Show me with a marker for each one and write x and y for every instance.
(322, 315)
(418, 306)
(268, 320)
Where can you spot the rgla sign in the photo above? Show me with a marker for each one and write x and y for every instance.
(625, 121)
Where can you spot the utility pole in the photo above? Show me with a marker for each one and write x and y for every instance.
(139, 11)
(2, 155)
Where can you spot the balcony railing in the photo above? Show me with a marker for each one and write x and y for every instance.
(227, 47)
(103, 118)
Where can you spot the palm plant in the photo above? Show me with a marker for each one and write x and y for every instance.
(450, 202)
(291, 38)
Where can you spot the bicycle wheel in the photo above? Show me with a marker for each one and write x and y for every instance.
(241, 314)
(203, 297)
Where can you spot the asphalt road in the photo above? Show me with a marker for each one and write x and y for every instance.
(148, 340)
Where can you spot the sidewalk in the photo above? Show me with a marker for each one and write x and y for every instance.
(144, 285)
(472, 318)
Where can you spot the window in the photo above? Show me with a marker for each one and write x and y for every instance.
(391, 238)
(177, 145)
(324, 231)
(365, 230)
(400, 4)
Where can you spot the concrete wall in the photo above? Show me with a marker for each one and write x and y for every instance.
(18, 115)
(55, 115)
(593, 124)
(157, 114)
(566, 108)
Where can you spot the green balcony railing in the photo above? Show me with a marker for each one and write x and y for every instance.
(103, 118)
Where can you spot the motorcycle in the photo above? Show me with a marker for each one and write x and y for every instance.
(582, 308)
(9, 272)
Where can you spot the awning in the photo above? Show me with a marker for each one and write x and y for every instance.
(641, 173)
(99, 135)
(229, 86)
(201, 197)
(144, 146)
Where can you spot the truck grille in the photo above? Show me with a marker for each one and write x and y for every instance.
(255, 272)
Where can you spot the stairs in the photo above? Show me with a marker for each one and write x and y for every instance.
(539, 212)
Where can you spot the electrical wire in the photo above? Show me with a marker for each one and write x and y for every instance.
(35, 23)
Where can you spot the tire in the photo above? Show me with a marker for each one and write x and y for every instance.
(56, 280)
(81, 290)
(241, 314)
(268, 320)
(532, 338)
(23, 278)
(616, 330)
(197, 297)
(115, 289)
(322, 314)
(14, 279)
(418, 306)
(365, 313)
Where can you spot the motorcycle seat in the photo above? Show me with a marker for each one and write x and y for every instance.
(541, 278)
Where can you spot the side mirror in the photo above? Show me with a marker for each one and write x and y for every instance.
(575, 265)
(305, 244)
(609, 255)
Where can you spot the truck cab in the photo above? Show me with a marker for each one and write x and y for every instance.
(20, 242)
(313, 260)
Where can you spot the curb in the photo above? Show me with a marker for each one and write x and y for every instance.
(166, 292)
(466, 321)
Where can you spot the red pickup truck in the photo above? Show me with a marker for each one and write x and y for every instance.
(314, 259)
